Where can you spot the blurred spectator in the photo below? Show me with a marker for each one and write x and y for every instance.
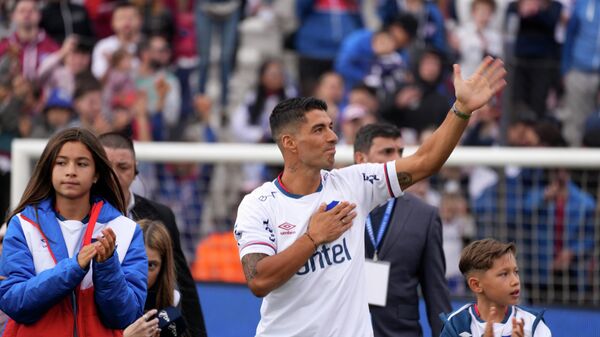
(183, 188)
(57, 115)
(184, 52)
(63, 18)
(126, 24)
(330, 89)
(31, 43)
(118, 78)
(129, 115)
(581, 67)
(365, 96)
(461, 13)
(250, 121)
(536, 51)
(198, 127)
(424, 191)
(160, 85)
(58, 71)
(13, 97)
(477, 38)
(222, 16)
(425, 102)
(365, 50)
(591, 130)
(563, 215)
(101, 12)
(323, 26)
(157, 19)
(431, 30)
(88, 104)
(353, 118)
(458, 228)
(484, 127)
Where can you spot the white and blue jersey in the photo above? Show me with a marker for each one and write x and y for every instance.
(327, 296)
(466, 322)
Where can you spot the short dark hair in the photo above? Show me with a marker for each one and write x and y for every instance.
(116, 140)
(362, 86)
(292, 111)
(85, 83)
(124, 4)
(406, 21)
(481, 254)
(490, 3)
(366, 134)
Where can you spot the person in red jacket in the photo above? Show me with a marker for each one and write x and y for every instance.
(30, 42)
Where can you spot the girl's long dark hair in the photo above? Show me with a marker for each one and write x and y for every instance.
(256, 108)
(157, 237)
(40, 185)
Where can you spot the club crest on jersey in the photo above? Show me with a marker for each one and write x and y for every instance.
(44, 243)
(370, 178)
(287, 228)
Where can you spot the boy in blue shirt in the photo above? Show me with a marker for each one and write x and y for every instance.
(490, 268)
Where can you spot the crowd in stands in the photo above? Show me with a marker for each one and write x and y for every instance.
(145, 69)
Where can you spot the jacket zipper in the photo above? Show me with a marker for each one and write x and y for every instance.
(74, 302)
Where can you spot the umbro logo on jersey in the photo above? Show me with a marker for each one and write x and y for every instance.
(465, 334)
(287, 228)
(370, 178)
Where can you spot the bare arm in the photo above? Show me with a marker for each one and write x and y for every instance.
(266, 273)
(471, 94)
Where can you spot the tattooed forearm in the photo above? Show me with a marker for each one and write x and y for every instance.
(405, 179)
(249, 263)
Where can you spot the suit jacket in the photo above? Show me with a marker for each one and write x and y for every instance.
(190, 302)
(413, 245)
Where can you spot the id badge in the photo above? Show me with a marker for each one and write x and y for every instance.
(378, 276)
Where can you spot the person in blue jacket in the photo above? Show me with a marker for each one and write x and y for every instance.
(72, 264)
(322, 27)
(581, 68)
(364, 49)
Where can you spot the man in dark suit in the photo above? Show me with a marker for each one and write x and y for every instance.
(410, 240)
(121, 154)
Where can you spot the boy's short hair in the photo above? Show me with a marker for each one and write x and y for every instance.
(480, 255)
(490, 3)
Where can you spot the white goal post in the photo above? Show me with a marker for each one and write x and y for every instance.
(24, 151)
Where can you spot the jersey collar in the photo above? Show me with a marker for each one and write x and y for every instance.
(286, 192)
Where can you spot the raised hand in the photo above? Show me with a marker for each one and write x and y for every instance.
(326, 226)
(145, 326)
(489, 326)
(105, 246)
(86, 254)
(517, 330)
(474, 92)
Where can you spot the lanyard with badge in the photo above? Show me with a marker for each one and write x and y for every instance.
(377, 271)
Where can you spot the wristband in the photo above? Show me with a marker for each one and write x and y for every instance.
(312, 240)
(460, 114)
